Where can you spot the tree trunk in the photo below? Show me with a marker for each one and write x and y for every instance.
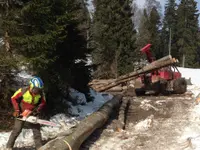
(146, 69)
(116, 89)
(101, 81)
(85, 128)
(183, 61)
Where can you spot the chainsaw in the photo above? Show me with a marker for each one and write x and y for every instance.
(36, 120)
(26, 116)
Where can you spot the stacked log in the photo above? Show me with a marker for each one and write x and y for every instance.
(96, 84)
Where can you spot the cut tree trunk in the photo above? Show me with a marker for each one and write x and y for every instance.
(85, 128)
(169, 57)
(116, 89)
(149, 68)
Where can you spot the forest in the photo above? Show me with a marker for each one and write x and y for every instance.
(68, 45)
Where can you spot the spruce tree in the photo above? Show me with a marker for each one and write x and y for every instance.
(150, 4)
(143, 35)
(154, 30)
(170, 29)
(187, 31)
(50, 36)
(149, 31)
(198, 48)
(8, 64)
(126, 40)
(114, 38)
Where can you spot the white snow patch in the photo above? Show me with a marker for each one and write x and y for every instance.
(191, 73)
(191, 133)
(24, 74)
(144, 125)
(192, 130)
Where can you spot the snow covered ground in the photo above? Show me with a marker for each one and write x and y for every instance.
(191, 131)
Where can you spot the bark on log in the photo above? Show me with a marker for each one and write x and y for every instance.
(116, 89)
(122, 114)
(101, 81)
(149, 68)
(114, 93)
(169, 57)
(85, 128)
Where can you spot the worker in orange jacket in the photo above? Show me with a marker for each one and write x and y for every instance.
(29, 99)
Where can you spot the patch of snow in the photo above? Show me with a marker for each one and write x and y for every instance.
(24, 74)
(144, 125)
(146, 106)
(194, 89)
(191, 133)
(191, 73)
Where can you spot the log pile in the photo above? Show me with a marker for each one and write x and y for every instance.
(96, 84)
(117, 84)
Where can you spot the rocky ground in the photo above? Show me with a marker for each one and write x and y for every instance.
(153, 123)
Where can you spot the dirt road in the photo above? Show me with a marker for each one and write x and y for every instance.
(154, 123)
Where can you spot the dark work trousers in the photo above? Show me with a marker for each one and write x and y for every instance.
(17, 130)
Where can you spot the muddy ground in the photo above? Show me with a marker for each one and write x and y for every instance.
(153, 123)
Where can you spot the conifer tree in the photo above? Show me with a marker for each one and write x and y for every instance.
(154, 29)
(149, 30)
(187, 31)
(8, 65)
(150, 4)
(51, 37)
(114, 38)
(169, 29)
(143, 36)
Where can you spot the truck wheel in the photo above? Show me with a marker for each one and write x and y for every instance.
(180, 86)
(163, 88)
(157, 88)
(140, 92)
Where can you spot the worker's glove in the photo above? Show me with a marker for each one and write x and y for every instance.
(16, 113)
(26, 113)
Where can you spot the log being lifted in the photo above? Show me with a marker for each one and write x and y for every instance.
(101, 81)
(85, 128)
(163, 62)
(96, 84)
